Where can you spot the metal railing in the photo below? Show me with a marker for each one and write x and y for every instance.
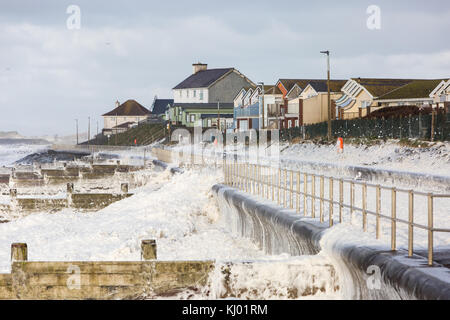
(284, 187)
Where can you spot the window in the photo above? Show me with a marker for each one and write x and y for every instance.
(201, 94)
(195, 93)
(192, 117)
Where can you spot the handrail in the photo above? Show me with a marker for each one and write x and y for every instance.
(266, 181)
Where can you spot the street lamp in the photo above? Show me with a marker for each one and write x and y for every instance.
(76, 121)
(262, 103)
(218, 114)
(329, 97)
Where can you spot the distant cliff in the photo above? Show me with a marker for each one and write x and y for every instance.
(10, 135)
(23, 141)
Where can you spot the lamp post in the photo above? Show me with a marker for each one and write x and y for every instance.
(218, 115)
(329, 96)
(262, 104)
(76, 121)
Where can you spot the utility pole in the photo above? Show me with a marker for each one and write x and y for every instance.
(96, 137)
(218, 115)
(329, 96)
(76, 121)
(262, 104)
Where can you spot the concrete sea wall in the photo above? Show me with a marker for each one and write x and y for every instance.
(283, 231)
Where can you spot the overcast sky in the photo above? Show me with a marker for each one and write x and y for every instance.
(51, 75)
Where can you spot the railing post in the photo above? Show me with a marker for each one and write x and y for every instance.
(378, 208)
(246, 176)
(322, 195)
(331, 182)
(279, 185)
(252, 175)
(261, 179)
(313, 195)
(394, 219)
(228, 172)
(410, 223)
(257, 180)
(237, 175)
(272, 172)
(352, 199)
(364, 202)
(341, 198)
(232, 173)
(292, 187)
(430, 229)
(305, 194)
(297, 196)
(285, 188)
(225, 173)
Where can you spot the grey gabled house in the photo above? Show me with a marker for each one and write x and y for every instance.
(198, 96)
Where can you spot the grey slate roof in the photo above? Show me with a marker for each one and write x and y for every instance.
(322, 85)
(161, 105)
(203, 79)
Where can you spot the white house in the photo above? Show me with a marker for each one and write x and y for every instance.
(124, 116)
(210, 85)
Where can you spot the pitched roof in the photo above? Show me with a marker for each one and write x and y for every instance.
(412, 90)
(129, 108)
(272, 90)
(161, 105)
(322, 85)
(210, 105)
(245, 89)
(203, 79)
(379, 87)
(302, 83)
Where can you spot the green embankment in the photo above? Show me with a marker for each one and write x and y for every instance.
(144, 134)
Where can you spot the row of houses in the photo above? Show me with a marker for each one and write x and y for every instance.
(296, 102)
(225, 98)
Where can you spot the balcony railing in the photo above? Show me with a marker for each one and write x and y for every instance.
(249, 111)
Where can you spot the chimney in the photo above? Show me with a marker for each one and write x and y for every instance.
(117, 103)
(199, 67)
